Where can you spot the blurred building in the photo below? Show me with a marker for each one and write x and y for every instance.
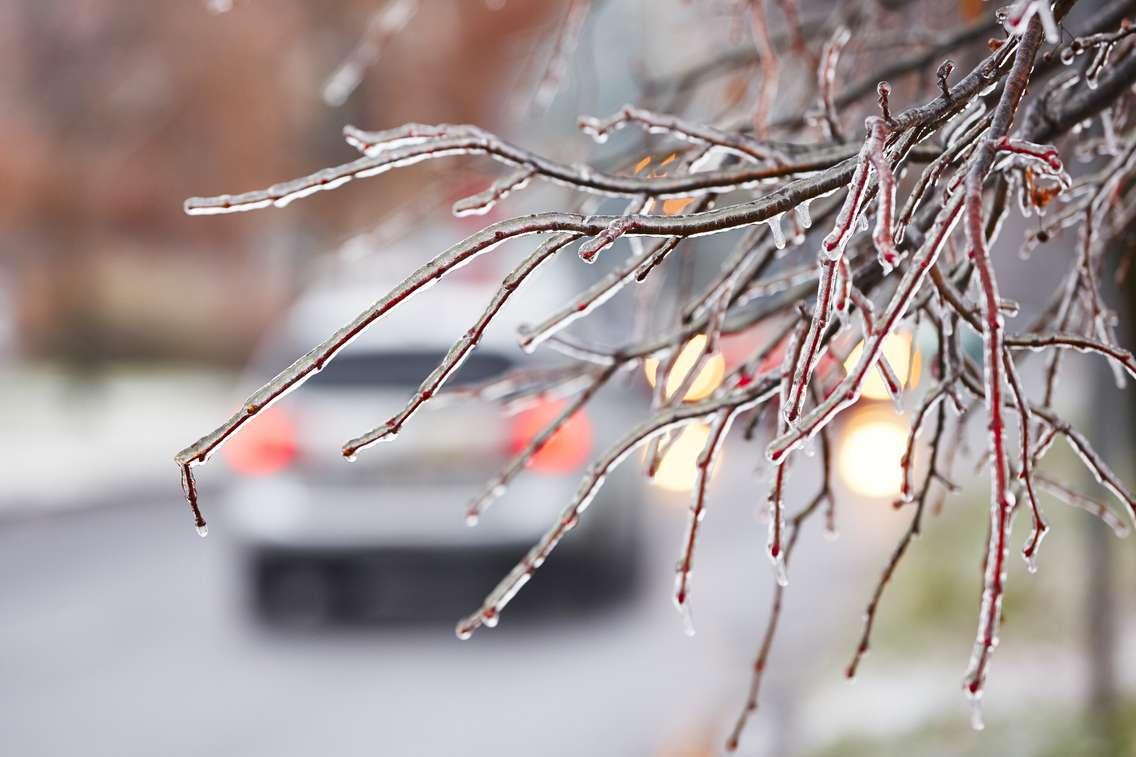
(116, 112)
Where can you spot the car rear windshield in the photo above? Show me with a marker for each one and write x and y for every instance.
(404, 368)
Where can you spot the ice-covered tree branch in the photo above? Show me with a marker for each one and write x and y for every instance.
(839, 236)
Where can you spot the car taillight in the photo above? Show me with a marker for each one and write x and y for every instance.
(266, 445)
(566, 450)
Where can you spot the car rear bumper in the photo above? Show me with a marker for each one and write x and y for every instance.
(386, 554)
(418, 585)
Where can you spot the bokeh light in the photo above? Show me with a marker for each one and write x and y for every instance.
(869, 451)
(906, 361)
(707, 380)
(678, 470)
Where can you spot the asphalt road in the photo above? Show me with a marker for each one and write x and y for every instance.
(123, 633)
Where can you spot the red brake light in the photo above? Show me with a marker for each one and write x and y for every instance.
(566, 450)
(267, 444)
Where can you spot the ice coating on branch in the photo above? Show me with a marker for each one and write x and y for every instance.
(705, 466)
(801, 367)
(483, 202)
(1045, 158)
(871, 157)
(826, 77)
(1019, 15)
(1078, 500)
(384, 23)
(995, 373)
(497, 486)
(606, 238)
(848, 392)
(843, 290)
(599, 129)
(1100, 470)
(593, 480)
(375, 142)
(461, 349)
(560, 55)
(883, 235)
(950, 129)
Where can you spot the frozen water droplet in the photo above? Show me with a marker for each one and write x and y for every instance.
(342, 83)
(780, 572)
(804, 218)
(1068, 56)
(202, 530)
(976, 721)
(761, 513)
(831, 534)
(471, 519)
(687, 618)
(1031, 563)
(463, 631)
(897, 401)
(776, 232)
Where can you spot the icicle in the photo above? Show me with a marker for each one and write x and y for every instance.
(804, 218)
(1097, 65)
(776, 231)
(780, 571)
(976, 721)
(687, 621)
(682, 599)
(1108, 130)
(1025, 206)
(796, 233)
(1118, 375)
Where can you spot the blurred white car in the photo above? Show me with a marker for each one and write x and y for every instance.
(384, 537)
